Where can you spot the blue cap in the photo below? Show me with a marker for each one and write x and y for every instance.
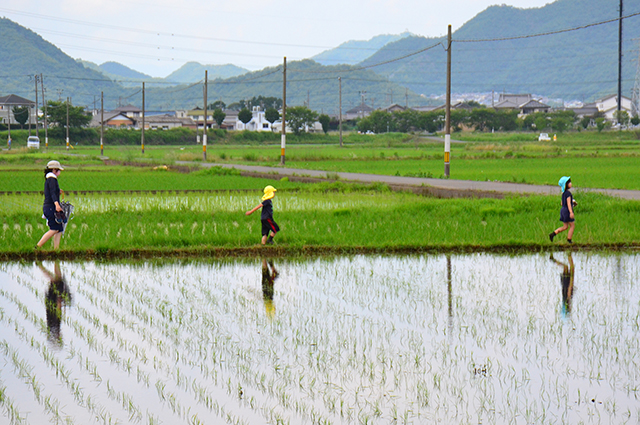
(563, 182)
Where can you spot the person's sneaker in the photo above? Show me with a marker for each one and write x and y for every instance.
(569, 241)
(552, 235)
(270, 240)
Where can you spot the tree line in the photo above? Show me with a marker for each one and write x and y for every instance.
(484, 119)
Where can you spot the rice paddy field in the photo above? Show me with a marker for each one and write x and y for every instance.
(474, 338)
(323, 216)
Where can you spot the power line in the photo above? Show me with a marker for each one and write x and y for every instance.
(548, 32)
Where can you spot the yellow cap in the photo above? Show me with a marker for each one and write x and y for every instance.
(269, 192)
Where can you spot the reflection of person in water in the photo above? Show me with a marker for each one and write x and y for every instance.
(269, 275)
(58, 295)
(566, 278)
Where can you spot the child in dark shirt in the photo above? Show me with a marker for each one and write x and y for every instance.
(269, 226)
(566, 211)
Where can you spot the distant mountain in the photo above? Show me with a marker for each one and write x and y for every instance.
(571, 65)
(115, 68)
(352, 52)
(192, 72)
(498, 50)
(308, 83)
(25, 54)
(116, 71)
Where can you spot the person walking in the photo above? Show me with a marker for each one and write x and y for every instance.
(269, 226)
(52, 205)
(566, 211)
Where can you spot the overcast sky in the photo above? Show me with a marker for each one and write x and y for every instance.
(157, 37)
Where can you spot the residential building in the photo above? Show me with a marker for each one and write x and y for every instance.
(130, 111)
(608, 106)
(525, 103)
(359, 111)
(258, 121)
(7, 103)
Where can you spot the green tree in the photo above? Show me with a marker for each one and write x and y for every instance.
(432, 121)
(506, 120)
(218, 104)
(405, 121)
(635, 120)
(459, 117)
(622, 117)
(21, 114)
(245, 116)
(272, 115)
(299, 117)
(219, 116)
(377, 122)
(324, 119)
(482, 118)
(601, 124)
(57, 115)
(585, 121)
(266, 102)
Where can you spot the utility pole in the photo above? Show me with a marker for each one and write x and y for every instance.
(620, 63)
(101, 123)
(340, 109)
(67, 123)
(204, 137)
(283, 137)
(9, 127)
(142, 133)
(447, 131)
(44, 103)
(406, 98)
(36, 80)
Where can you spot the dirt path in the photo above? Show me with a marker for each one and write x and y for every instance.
(437, 187)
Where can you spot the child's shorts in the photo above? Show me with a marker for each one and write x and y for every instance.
(269, 225)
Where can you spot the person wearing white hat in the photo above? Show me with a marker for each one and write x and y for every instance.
(52, 204)
(269, 226)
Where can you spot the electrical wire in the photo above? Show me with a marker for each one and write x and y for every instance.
(545, 33)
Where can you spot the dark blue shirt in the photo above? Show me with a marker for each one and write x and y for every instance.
(267, 210)
(565, 198)
(51, 191)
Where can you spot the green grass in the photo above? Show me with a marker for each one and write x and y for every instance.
(136, 178)
(325, 215)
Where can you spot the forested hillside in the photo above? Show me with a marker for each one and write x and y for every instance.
(354, 51)
(498, 50)
(25, 54)
(580, 64)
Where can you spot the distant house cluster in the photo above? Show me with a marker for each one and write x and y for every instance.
(130, 117)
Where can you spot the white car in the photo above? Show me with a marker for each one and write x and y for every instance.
(33, 142)
(543, 137)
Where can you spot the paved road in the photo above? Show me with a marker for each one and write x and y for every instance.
(442, 185)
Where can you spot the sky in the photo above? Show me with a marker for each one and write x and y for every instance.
(156, 37)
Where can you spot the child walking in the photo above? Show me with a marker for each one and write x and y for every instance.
(566, 211)
(269, 226)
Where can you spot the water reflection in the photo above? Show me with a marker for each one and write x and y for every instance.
(449, 294)
(566, 279)
(269, 275)
(57, 296)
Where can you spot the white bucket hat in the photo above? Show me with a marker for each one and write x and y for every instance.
(54, 165)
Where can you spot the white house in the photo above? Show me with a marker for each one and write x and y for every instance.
(258, 121)
(608, 105)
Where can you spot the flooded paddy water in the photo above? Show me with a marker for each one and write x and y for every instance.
(477, 338)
